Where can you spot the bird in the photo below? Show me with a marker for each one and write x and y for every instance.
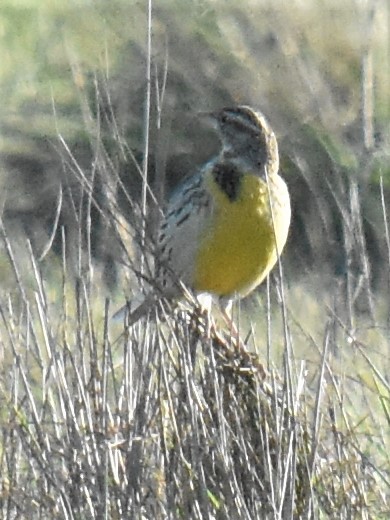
(226, 226)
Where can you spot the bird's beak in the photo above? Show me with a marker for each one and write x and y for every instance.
(210, 118)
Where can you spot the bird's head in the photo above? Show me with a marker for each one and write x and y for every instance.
(247, 139)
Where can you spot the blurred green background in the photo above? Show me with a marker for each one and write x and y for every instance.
(76, 70)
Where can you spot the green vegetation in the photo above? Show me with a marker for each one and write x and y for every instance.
(173, 417)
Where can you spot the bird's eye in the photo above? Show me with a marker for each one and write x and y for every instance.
(224, 118)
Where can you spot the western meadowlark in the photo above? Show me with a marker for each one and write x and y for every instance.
(225, 227)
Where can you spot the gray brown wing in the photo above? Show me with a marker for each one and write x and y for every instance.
(187, 213)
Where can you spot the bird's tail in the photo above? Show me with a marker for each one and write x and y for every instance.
(132, 311)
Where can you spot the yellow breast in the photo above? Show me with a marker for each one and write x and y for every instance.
(237, 247)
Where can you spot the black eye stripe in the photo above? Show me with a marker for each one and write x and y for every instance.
(241, 121)
(246, 114)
